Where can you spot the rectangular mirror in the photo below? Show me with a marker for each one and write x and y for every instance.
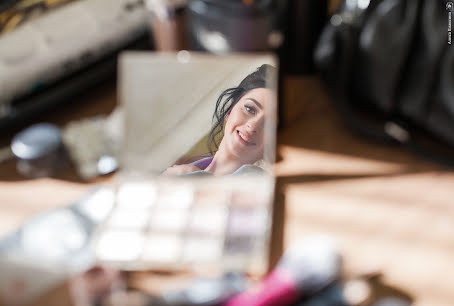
(196, 182)
(170, 102)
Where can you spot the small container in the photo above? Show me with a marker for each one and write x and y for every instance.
(39, 150)
(167, 23)
(220, 26)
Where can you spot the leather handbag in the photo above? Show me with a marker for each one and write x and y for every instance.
(390, 67)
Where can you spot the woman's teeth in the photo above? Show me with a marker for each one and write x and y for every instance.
(244, 138)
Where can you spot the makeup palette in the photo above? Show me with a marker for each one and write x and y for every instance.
(182, 224)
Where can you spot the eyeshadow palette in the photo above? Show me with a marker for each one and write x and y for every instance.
(173, 225)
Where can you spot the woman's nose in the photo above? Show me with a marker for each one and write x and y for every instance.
(250, 127)
(253, 125)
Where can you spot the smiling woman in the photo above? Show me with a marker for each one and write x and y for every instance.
(240, 115)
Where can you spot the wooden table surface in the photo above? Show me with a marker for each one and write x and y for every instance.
(389, 210)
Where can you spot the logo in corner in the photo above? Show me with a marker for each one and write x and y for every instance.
(449, 6)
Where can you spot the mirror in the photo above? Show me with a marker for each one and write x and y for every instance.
(212, 113)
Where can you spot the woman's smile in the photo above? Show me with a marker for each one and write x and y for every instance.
(245, 139)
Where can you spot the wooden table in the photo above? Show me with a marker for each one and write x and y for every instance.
(388, 209)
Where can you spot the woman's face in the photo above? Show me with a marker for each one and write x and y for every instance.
(244, 129)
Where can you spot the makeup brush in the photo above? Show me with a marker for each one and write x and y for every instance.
(304, 269)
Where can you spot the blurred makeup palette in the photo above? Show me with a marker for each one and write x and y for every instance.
(204, 224)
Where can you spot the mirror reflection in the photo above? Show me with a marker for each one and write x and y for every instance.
(238, 121)
(200, 117)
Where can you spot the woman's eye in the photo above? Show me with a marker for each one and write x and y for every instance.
(250, 109)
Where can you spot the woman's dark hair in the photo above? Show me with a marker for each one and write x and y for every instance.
(263, 77)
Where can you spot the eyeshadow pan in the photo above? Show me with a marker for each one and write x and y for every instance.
(164, 248)
(168, 219)
(136, 195)
(248, 198)
(98, 205)
(211, 196)
(239, 244)
(247, 222)
(202, 249)
(176, 196)
(116, 245)
(128, 218)
(208, 219)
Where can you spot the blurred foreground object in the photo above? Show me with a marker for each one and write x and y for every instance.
(64, 52)
(304, 269)
(188, 224)
(39, 150)
(207, 291)
(389, 65)
(51, 247)
(92, 144)
(44, 150)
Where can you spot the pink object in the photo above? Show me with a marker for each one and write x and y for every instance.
(279, 288)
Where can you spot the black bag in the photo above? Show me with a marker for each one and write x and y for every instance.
(390, 67)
